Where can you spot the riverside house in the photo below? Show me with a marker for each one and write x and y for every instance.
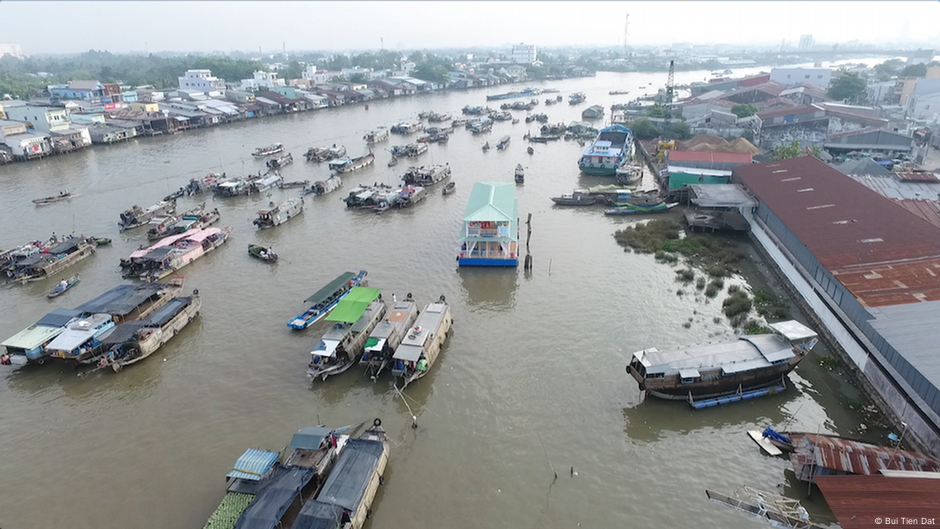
(490, 233)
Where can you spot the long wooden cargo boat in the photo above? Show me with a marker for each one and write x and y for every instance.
(385, 338)
(354, 318)
(422, 344)
(426, 175)
(51, 261)
(276, 215)
(724, 368)
(195, 218)
(137, 216)
(173, 253)
(348, 165)
(325, 299)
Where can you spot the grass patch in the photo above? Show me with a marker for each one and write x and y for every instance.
(737, 306)
(686, 275)
(769, 305)
(700, 284)
(829, 362)
(662, 237)
(756, 327)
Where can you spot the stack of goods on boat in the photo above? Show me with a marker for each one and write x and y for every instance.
(32, 263)
(323, 187)
(716, 373)
(434, 117)
(325, 154)
(612, 149)
(354, 318)
(577, 98)
(325, 299)
(426, 175)
(407, 127)
(490, 232)
(131, 342)
(376, 136)
(578, 197)
(384, 339)
(63, 195)
(280, 161)
(172, 253)
(175, 224)
(411, 195)
(120, 304)
(274, 148)
(412, 150)
(136, 216)
(422, 343)
(276, 215)
(348, 165)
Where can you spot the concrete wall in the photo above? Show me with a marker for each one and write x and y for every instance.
(790, 76)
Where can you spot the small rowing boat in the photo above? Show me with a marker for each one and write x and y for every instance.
(64, 195)
(449, 189)
(260, 252)
(64, 285)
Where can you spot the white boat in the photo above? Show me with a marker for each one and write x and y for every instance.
(411, 195)
(422, 343)
(387, 335)
(268, 151)
(376, 136)
(275, 215)
(324, 186)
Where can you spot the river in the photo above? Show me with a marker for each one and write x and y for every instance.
(535, 358)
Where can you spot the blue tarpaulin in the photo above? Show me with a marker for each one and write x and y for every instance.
(253, 464)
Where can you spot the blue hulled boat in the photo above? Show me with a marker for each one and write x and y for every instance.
(612, 149)
(325, 299)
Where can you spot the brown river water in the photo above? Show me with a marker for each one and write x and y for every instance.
(532, 355)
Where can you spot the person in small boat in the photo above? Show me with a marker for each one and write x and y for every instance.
(422, 364)
(63, 284)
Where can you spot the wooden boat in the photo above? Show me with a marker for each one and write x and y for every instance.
(407, 127)
(426, 175)
(449, 188)
(640, 210)
(294, 183)
(137, 216)
(173, 253)
(276, 215)
(354, 318)
(579, 197)
(325, 154)
(325, 299)
(619, 92)
(421, 346)
(348, 165)
(102, 241)
(49, 261)
(345, 500)
(576, 98)
(486, 146)
(268, 151)
(260, 252)
(323, 187)
(171, 225)
(629, 174)
(411, 195)
(64, 195)
(376, 136)
(393, 162)
(64, 285)
(503, 143)
(519, 174)
(81, 338)
(778, 510)
(723, 368)
(134, 341)
(434, 117)
(530, 150)
(593, 112)
(385, 338)
(280, 161)
(515, 121)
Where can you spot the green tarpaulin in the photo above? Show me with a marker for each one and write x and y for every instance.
(351, 308)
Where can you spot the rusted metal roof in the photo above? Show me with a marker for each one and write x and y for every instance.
(853, 457)
(804, 109)
(882, 253)
(706, 156)
(867, 502)
(918, 176)
(928, 210)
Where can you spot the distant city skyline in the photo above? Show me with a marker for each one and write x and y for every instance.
(122, 27)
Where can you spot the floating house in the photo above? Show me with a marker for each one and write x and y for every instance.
(490, 233)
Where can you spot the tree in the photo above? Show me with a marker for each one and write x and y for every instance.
(679, 130)
(792, 150)
(358, 78)
(914, 70)
(645, 129)
(293, 71)
(656, 111)
(744, 110)
(848, 86)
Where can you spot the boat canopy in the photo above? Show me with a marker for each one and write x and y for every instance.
(374, 345)
(123, 333)
(351, 474)
(793, 330)
(321, 295)
(326, 348)
(65, 246)
(319, 515)
(123, 299)
(310, 438)
(231, 183)
(58, 317)
(743, 354)
(167, 312)
(274, 499)
(201, 235)
(354, 305)
(77, 333)
(253, 465)
(166, 241)
(32, 337)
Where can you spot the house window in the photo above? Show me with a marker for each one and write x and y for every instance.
(807, 76)
(819, 77)
(788, 76)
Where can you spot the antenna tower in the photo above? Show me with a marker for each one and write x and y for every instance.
(670, 88)
(626, 31)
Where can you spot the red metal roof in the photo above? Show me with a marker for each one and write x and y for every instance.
(754, 81)
(704, 156)
(882, 253)
(918, 176)
(853, 457)
(867, 502)
(928, 210)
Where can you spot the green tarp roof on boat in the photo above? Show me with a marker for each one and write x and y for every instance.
(333, 286)
(354, 305)
(32, 337)
(492, 201)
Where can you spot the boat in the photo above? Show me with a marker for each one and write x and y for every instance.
(379, 198)
(376, 136)
(619, 92)
(576, 98)
(345, 500)
(348, 165)
(325, 154)
(323, 187)
(101, 241)
(274, 148)
(48, 261)
(549, 102)
(501, 116)
(280, 161)
(134, 341)
(294, 183)
(779, 510)
(137, 216)
(260, 252)
(325, 299)
(528, 92)
(204, 184)
(262, 183)
(196, 218)
(530, 150)
(63, 195)
(489, 234)
(626, 197)
(515, 121)
(416, 149)
(176, 194)
(723, 368)
(611, 149)
(629, 174)
(479, 125)
(474, 111)
(385, 338)
(424, 114)
(449, 188)
(28, 345)
(434, 117)
(503, 143)
(173, 253)
(275, 215)
(640, 210)
(579, 197)
(593, 112)
(81, 338)
(406, 127)
(519, 174)
(64, 285)
(486, 146)
(421, 345)
(459, 122)
(411, 195)
(559, 98)
(354, 318)
(426, 175)
(161, 227)
(393, 162)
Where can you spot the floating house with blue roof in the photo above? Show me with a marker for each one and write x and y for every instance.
(490, 233)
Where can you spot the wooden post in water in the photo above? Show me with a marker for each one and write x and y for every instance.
(527, 266)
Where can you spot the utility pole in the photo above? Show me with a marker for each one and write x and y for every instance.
(626, 31)
(382, 43)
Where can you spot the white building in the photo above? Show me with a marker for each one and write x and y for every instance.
(65, 135)
(790, 76)
(261, 80)
(523, 54)
(806, 42)
(925, 107)
(11, 49)
(202, 81)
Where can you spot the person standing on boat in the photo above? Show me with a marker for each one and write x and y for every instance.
(422, 364)
(394, 298)
(63, 284)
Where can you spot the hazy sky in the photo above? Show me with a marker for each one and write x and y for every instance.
(224, 26)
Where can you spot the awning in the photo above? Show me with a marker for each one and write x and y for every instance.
(689, 373)
(253, 464)
(354, 305)
(408, 353)
(32, 337)
(326, 348)
(325, 292)
(310, 437)
(374, 345)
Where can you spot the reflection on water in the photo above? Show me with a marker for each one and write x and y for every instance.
(489, 288)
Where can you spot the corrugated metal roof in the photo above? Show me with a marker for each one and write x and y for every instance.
(492, 202)
(253, 464)
(705, 156)
(865, 502)
(32, 337)
(904, 327)
(720, 196)
(853, 457)
(804, 109)
(928, 210)
(882, 253)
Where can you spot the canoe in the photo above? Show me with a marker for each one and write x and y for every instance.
(449, 189)
(102, 241)
(60, 289)
(52, 200)
(260, 252)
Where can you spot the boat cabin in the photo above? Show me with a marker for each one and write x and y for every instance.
(29, 344)
(490, 233)
(80, 337)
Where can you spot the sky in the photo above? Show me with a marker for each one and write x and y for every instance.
(119, 26)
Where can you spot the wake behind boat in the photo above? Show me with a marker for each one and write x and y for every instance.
(325, 299)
